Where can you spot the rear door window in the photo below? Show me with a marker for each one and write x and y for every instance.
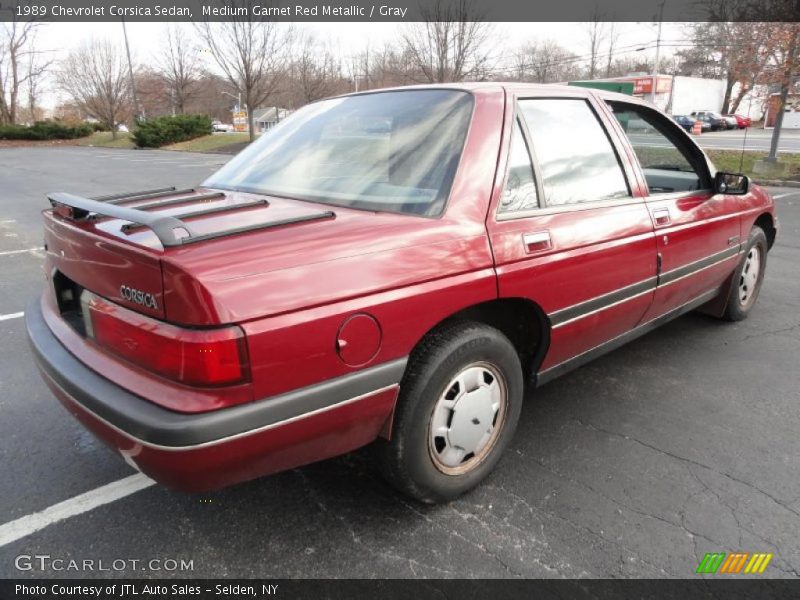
(575, 156)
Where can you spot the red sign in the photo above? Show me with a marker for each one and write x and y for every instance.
(644, 85)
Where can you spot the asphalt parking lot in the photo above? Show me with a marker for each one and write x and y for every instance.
(681, 443)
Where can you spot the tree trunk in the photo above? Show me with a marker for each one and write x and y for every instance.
(727, 99)
(250, 125)
(740, 96)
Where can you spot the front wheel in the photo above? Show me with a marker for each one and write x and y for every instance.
(459, 404)
(748, 277)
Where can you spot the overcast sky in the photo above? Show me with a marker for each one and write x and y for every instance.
(350, 38)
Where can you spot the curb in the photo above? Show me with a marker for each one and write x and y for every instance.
(777, 183)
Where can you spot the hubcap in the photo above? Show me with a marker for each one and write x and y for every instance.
(749, 276)
(467, 419)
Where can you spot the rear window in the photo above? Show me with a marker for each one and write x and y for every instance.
(390, 151)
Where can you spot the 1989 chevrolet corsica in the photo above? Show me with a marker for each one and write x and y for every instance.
(390, 267)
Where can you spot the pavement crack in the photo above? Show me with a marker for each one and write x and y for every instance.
(624, 505)
(536, 510)
(460, 536)
(413, 564)
(690, 461)
(720, 501)
(526, 534)
(769, 332)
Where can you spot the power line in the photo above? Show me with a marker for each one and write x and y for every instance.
(616, 52)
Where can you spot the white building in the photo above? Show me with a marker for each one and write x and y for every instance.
(265, 118)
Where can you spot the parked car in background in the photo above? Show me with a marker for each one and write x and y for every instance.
(742, 122)
(716, 122)
(218, 126)
(731, 121)
(395, 267)
(686, 122)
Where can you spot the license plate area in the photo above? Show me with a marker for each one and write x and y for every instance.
(68, 299)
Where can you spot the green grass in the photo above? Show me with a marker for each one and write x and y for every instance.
(209, 143)
(724, 160)
(206, 143)
(104, 139)
(728, 160)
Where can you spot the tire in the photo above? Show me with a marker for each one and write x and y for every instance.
(434, 414)
(746, 286)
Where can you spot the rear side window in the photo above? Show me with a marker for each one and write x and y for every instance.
(519, 192)
(576, 159)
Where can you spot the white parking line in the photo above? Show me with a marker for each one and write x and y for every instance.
(784, 195)
(25, 526)
(12, 252)
(11, 316)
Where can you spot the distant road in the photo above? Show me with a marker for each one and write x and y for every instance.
(756, 140)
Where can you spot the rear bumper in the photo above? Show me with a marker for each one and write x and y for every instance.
(195, 452)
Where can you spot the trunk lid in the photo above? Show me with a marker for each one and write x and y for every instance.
(91, 246)
(115, 246)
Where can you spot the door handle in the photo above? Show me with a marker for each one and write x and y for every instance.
(537, 242)
(661, 217)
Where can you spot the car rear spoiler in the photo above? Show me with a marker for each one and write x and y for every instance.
(170, 230)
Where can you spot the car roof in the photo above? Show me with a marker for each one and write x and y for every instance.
(548, 89)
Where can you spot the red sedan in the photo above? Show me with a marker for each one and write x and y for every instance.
(392, 267)
(742, 122)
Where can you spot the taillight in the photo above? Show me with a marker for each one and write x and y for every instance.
(199, 357)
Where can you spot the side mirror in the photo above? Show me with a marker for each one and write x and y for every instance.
(731, 183)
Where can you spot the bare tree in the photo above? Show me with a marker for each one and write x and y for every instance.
(596, 33)
(179, 67)
(95, 76)
(37, 69)
(251, 54)
(314, 73)
(210, 99)
(156, 97)
(20, 60)
(449, 45)
(361, 68)
(545, 62)
(613, 36)
(384, 66)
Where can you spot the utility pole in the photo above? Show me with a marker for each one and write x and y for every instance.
(791, 60)
(137, 107)
(658, 49)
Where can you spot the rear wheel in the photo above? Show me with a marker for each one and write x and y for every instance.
(459, 405)
(748, 277)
